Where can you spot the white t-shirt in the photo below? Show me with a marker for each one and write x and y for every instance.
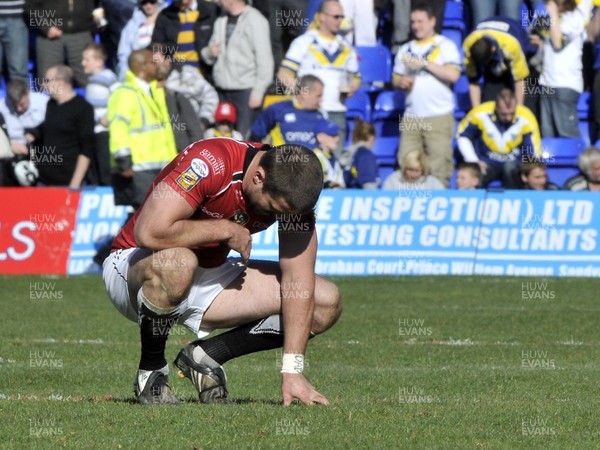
(333, 61)
(143, 36)
(429, 97)
(362, 14)
(563, 68)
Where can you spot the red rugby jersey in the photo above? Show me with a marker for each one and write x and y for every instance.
(208, 174)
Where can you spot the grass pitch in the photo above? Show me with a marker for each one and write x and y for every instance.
(414, 362)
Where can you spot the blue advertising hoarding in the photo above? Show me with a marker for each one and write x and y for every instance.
(527, 233)
(453, 233)
(98, 221)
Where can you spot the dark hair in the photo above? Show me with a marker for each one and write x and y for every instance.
(98, 50)
(567, 6)
(362, 131)
(527, 167)
(506, 95)
(481, 51)
(421, 6)
(472, 167)
(293, 173)
(16, 89)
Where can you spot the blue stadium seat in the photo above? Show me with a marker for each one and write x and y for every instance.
(389, 108)
(375, 64)
(359, 106)
(584, 130)
(461, 94)
(389, 105)
(525, 22)
(559, 175)
(387, 140)
(540, 9)
(384, 172)
(453, 16)
(562, 151)
(349, 130)
(583, 105)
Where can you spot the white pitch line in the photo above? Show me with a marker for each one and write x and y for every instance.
(62, 341)
(468, 342)
(55, 397)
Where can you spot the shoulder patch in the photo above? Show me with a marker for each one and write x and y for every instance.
(199, 167)
(192, 175)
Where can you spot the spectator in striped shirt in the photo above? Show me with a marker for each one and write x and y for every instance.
(185, 27)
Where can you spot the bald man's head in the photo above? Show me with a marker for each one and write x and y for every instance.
(141, 63)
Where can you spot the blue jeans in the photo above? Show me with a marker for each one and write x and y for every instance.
(482, 9)
(559, 113)
(14, 39)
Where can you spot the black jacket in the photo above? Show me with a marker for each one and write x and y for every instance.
(71, 16)
(167, 25)
(185, 123)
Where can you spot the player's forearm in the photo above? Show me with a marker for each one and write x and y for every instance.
(183, 233)
(297, 304)
(297, 260)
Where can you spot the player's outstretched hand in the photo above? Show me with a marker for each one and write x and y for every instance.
(295, 386)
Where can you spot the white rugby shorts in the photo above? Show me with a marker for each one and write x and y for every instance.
(208, 283)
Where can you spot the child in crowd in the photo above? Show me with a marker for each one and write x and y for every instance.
(534, 177)
(225, 117)
(327, 134)
(364, 170)
(468, 176)
(101, 83)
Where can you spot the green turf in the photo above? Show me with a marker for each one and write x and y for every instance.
(423, 362)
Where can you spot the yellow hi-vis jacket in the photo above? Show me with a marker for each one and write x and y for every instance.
(141, 137)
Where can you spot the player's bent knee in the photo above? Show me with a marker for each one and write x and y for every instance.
(173, 272)
(328, 307)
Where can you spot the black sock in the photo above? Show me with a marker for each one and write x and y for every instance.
(249, 338)
(154, 331)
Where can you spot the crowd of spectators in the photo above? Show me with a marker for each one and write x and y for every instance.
(116, 89)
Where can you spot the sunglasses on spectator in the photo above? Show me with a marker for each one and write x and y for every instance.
(335, 16)
(143, 2)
